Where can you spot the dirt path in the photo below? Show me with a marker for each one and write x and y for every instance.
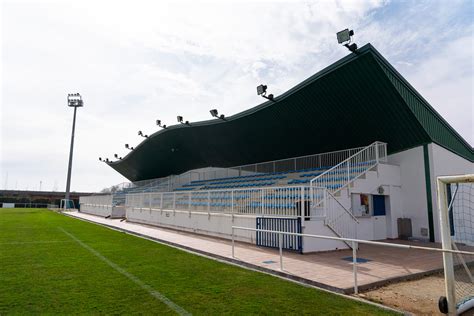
(419, 297)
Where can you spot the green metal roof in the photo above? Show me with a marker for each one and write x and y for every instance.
(353, 102)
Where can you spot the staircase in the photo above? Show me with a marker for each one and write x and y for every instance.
(325, 187)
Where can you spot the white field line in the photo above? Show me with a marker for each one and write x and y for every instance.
(34, 242)
(178, 309)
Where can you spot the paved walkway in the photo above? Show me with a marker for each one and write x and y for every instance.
(325, 269)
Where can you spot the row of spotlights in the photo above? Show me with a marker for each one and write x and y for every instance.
(344, 36)
(180, 119)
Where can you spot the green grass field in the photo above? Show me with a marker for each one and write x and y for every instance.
(53, 264)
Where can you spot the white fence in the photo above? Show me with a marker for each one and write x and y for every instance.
(275, 201)
(352, 241)
(171, 182)
(100, 205)
(351, 168)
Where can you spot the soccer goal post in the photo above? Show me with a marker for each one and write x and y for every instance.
(66, 205)
(456, 213)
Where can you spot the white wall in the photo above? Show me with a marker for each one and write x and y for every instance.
(412, 189)
(413, 183)
(447, 163)
(444, 162)
(316, 244)
(213, 224)
(387, 177)
(220, 225)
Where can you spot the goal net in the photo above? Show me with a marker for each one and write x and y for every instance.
(456, 206)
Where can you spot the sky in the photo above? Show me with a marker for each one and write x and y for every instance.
(137, 61)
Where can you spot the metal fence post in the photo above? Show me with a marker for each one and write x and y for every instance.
(348, 172)
(209, 203)
(354, 266)
(280, 245)
(232, 204)
(377, 152)
(189, 203)
(174, 203)
(233, 243)
(149, 201)
(302, 207)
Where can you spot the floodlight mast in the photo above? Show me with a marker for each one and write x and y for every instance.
(73, 100)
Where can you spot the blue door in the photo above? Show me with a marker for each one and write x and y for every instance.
(379, 205)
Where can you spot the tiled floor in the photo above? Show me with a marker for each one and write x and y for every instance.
(326, 269)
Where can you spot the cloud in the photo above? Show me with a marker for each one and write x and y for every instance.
(138, 61)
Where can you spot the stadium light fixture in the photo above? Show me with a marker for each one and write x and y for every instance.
(345, 36)
(180, 120)
(158, 122)
(215, 114)
(73, 100)
(262, 90)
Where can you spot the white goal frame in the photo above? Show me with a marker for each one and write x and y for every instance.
(446, 239)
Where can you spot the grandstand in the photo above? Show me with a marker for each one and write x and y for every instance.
(352, 151)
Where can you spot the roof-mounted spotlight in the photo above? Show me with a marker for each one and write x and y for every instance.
(158, 122)
(345, 36)
(140, 133)
(215, 114)
(262, 90)
(180, 120)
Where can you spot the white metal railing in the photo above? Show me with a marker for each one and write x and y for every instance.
(96, 199)
(339, 219)
(353, 242)
(325, 185)
(171, 182)
(268, 201)
(303, 162)
(346, 171)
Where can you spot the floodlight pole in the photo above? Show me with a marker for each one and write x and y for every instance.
(74, 104)
(68, 183)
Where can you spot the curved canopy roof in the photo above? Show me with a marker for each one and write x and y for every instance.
(353, 102)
